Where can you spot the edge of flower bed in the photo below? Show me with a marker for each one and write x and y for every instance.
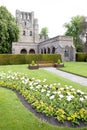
(42, 116)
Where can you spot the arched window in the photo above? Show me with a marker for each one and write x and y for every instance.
(25, 23)
(44, 50)
(66, 53)
(53, 50)
(41, 51)
(31, 51)
(23, 51)
(24, 33)
(30, 33)
(48, 50)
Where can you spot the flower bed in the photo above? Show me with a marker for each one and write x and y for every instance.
(62, 103)
(58, 65)
(33, 67)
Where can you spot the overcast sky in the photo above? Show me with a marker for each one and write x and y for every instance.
(50, 13)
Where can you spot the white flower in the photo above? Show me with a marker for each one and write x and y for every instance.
(50, 85)
(54, 92)
(67, 87)
(59, 92)
(23, 81)
(69, 98)
(79, 91)
(47, 94)
(38, 86)
(68, 93)
(70, 86)
(33, 78)
(44, 80)
(48, 91)
(45, 86)
(72, 89)
(31, 87)
(54, 84)
(59, 84)
(61, 88)
(85, 97)
(38, 80)
(52, 97)
(81, 99)
(43, 90)
(61, 96)
(35, 83)
(22, 78)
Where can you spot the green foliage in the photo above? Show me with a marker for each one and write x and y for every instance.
(73, 28)
(33, 63)
(6, 59)
(79, 48)
(44, 31)
(19, 118)
(50, 99)
(9, 31)
(59, 61)
(81, 57)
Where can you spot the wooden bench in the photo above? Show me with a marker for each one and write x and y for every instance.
(45, 63)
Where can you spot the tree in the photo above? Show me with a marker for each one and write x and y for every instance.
(9, 30)
(44, 31)
(73, 28)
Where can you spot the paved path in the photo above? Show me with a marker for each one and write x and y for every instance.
(75, 78)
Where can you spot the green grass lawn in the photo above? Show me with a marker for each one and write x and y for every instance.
(79, 68)
(14, 116)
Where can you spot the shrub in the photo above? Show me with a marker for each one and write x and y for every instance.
(81, 56)
(58, 62)
(33, 63)
(6, 59)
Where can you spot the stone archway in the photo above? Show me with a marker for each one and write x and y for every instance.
(31, 51)
(44, 50)
(41, 51)
(53, 50)
(48, 50)
(23, 51)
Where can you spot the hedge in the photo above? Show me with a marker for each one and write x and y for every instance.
(81, 57)
(11, 59)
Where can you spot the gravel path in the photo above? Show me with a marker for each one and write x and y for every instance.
(72, 77)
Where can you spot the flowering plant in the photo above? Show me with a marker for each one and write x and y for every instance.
(63, 103)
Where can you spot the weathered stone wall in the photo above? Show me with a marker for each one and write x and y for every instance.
(18, 47)
(29, 41)
(61, 45)
(28, 26)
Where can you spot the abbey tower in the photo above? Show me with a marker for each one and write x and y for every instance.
(28, 26)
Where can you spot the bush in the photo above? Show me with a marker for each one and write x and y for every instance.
(81, 57)
(33, 63)
(10, 59)
(58, 62)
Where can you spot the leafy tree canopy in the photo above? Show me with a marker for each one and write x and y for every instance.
(9, 31)
(44, 31)
(73, 28)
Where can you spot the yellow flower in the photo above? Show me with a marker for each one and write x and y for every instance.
(74, 116)
(69, 118)
(53, 88)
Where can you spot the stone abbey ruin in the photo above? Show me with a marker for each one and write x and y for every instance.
(31, 42)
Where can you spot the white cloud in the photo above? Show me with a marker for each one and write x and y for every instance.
(50, 13)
